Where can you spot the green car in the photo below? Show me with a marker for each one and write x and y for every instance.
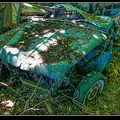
(57, 53)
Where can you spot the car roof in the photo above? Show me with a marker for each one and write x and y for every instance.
(102, 21)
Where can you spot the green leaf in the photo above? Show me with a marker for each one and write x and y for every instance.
(22, 42)
(116, 71)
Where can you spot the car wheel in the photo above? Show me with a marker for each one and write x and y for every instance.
(89, 87)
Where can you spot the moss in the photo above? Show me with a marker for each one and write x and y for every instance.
(64, 49)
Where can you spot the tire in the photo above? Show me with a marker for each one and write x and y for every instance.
(89, 87)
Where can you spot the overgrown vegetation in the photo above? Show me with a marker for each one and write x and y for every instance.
(27, 101)
(20, 99)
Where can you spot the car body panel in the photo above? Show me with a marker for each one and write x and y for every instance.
(84, 39)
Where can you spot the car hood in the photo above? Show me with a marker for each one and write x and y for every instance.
(48, 47)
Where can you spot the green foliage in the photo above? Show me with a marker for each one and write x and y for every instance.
(105, 104)
(27, 100)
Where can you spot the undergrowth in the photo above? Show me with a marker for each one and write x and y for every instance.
(27, 101)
